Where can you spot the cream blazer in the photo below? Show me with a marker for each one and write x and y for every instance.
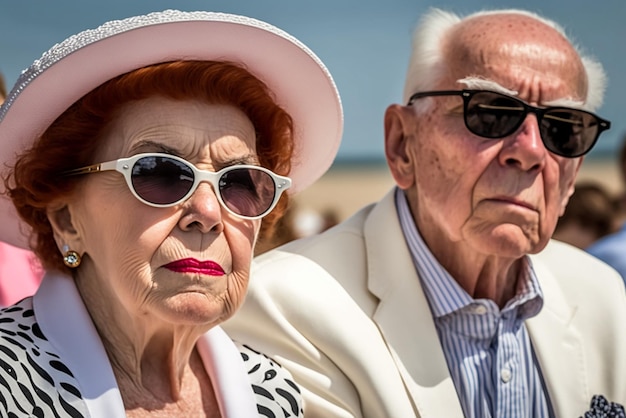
(345, 313)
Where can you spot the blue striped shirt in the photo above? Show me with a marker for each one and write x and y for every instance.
(488, 350)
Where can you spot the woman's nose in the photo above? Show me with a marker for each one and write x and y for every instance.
(202, 211)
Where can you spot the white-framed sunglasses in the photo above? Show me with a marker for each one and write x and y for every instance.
(164, 180)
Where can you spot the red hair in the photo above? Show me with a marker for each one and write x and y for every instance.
(73, 138)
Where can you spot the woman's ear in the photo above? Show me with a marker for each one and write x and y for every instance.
(63, 225)
(399, 130)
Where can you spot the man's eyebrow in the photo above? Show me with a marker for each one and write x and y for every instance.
(479, 83)
(575, 104)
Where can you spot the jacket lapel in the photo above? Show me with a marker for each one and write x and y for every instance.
(558, 347)
(65, 321)
(403, 315)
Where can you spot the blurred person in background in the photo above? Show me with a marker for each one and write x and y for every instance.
(619, 199)
(297, 223)
(589, 216)
(612, 248)
(283, 232)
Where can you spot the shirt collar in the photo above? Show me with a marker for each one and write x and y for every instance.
(444, 294)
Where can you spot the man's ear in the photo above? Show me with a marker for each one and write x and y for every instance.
(63, 225)
(399, 122)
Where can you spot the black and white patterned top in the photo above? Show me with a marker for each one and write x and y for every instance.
(37, 380)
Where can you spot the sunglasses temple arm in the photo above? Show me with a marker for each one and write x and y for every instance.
(94, 168)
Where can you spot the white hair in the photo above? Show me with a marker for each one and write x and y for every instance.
(427, 64)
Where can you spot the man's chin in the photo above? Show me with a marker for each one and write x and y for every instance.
(509, 241)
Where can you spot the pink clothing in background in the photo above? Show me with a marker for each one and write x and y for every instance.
(20, 274)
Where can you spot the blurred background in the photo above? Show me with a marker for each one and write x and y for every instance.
(365, 44)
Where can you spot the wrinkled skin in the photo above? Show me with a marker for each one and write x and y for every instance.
(481, 205)
(149, 316)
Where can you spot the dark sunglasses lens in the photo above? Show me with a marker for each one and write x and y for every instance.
(569, 133)
(161, 180)
(247, 191)
(493, 115)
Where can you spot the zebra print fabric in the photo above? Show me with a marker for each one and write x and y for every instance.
(34, 381)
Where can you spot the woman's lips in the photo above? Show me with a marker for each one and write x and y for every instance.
(191, 265)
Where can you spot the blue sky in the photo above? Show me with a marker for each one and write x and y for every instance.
(364, 43)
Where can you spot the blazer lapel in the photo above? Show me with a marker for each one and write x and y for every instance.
(558, 347)
(65, 321)
(403, 315)
(405, 321)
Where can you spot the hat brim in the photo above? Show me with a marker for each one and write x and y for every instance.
(298, 79)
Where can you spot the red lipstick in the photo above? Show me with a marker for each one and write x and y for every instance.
(191, 265)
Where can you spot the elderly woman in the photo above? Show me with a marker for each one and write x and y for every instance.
(144, 155)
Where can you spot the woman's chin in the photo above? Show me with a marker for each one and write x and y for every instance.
(195, 308)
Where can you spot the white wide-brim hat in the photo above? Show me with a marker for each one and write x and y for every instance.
(297, 78)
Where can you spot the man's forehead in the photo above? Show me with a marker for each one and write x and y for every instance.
(516, 25)
(490, 48)
(521, 39)
(478, 83)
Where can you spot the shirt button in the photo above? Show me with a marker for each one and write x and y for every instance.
(480, 310)
(505, 375)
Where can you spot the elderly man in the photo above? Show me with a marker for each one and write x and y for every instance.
(447, 298)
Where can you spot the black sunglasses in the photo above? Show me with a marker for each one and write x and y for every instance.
(564, 131)
(163, 180)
